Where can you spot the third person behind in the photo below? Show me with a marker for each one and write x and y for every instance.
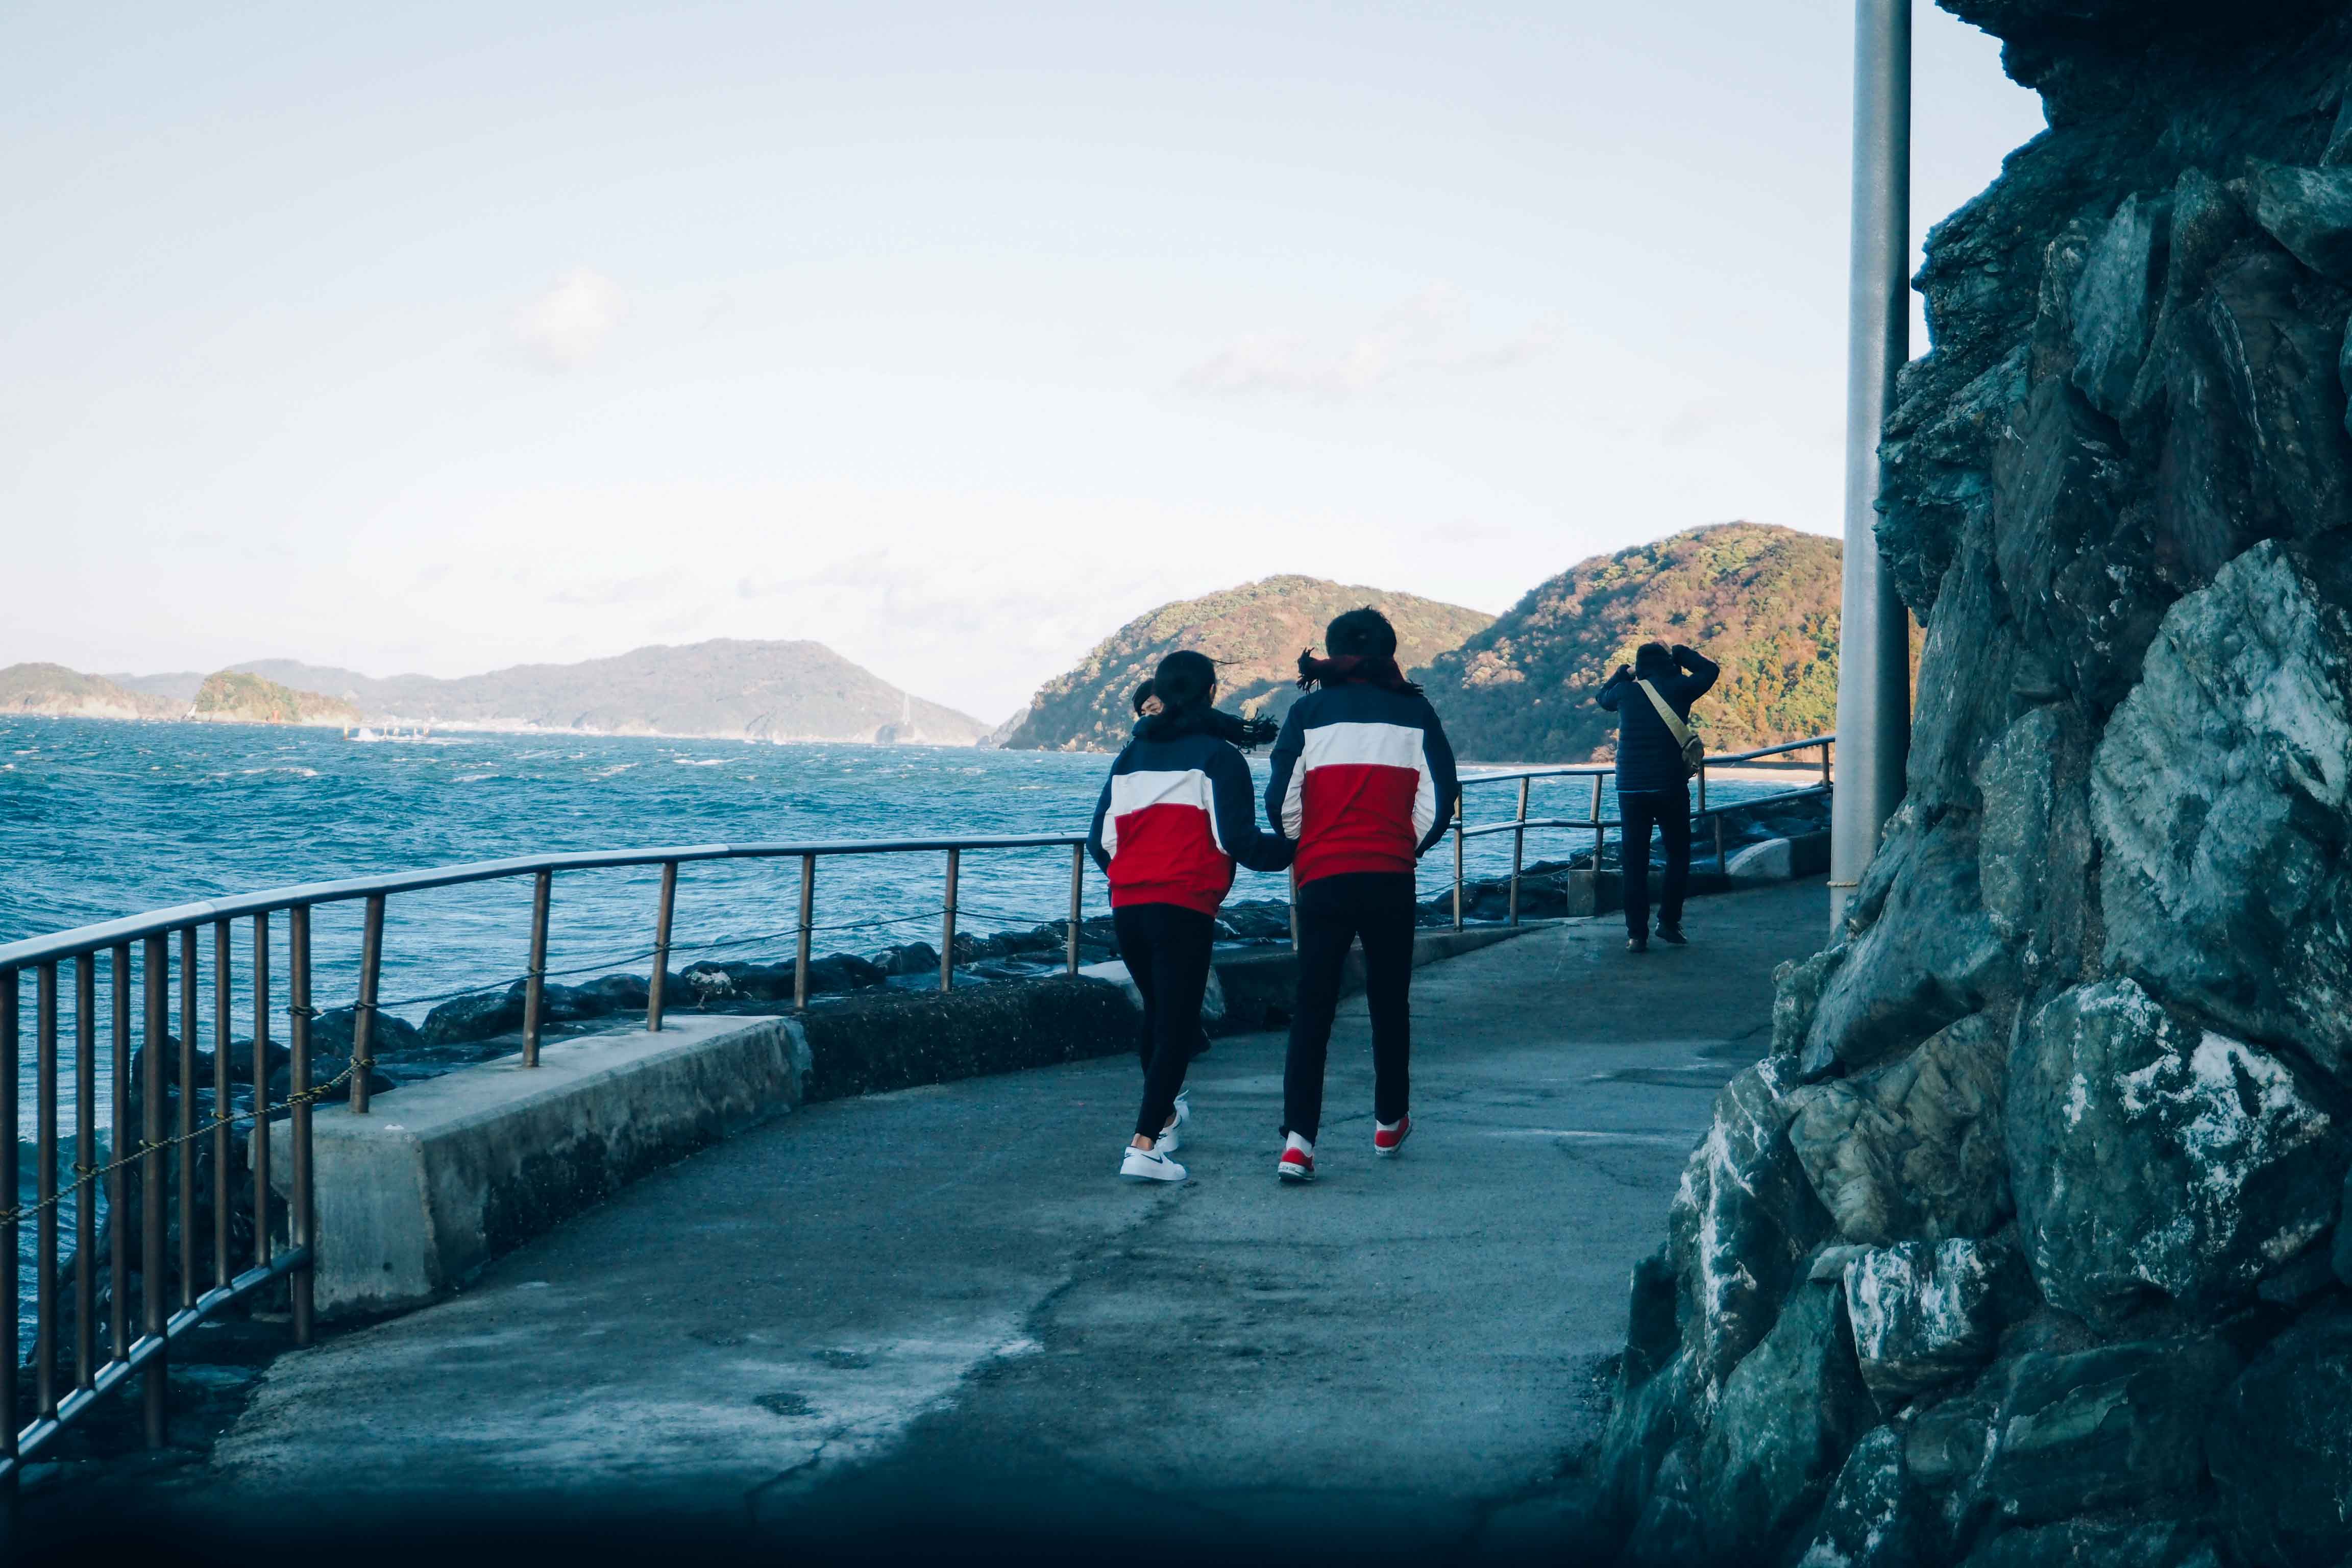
(1653, 702)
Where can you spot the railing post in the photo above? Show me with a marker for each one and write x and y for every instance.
(258, 1143)
(85, 1168)
(535, 984)
(187, 1128)
(9, 1002)
(154, 1379)
(1519, 849)
(947, 938)
(1597, 835)
(1078, 902)
(118, 1207)
(1294, 908)
(1825, 763)
(299, 1217)
(221, 1053)
(363, 1015)
(45, 1188)
(800, 944)
(1457, 862)
(1702, 788)
(1721, 867)
(661, 947)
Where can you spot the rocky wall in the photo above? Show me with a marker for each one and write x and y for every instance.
(2025, 1243)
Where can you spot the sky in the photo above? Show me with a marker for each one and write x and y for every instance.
(442, 337)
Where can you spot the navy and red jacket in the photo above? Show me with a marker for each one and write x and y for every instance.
(1363, 779)
(1175, 814)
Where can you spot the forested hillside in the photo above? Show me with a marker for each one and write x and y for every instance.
(1759, 600)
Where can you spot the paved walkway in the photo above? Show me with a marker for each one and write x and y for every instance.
(940, 1303)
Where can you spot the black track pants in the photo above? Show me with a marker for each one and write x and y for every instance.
(1166, 949)
(1669, 810)
(1333, 911)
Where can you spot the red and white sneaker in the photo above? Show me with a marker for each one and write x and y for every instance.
(1297, 1162)
(1389, 1137)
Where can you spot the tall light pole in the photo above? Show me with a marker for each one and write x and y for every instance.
(1874, 709)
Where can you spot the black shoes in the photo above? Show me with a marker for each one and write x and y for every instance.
(1637, 944)
(1673, 934)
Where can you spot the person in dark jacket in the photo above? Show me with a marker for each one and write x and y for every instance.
(1249, 734)
(1363, 783)
(1652, 782)
(1174, 817)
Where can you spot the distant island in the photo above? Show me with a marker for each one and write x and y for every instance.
(1255, 631)
(723, 689)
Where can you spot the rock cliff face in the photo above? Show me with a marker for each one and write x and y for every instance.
(232, 697)
(2026, 1244)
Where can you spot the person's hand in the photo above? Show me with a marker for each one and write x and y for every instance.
(1624, 672)
(1681, 652)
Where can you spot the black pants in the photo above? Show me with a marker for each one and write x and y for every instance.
(1166, 948)
(1333, 911)
(1669, 809)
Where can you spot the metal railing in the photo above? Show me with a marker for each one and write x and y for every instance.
(1521, 824)
(167, 1313)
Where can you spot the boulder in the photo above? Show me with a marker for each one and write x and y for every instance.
(1788, 1417)
(2120, 1425)
(1924, 1313)
(1914, 1149)
(1797, 994)
(2282, 1450)
(330, 1034)
(1935, 458)
(1742, 1222)
(1930, 958)
(1769, 861)
(1875, 1517)
(2222, 796)
(2309, 211)
(913, 958)
(2115, 301)
(2034, 842)
(2151, 1157)
(478, 1016)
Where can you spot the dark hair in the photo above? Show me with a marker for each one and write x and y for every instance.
(1184, 680)
(1653, 659)
(1364, 634)
(1143, 694)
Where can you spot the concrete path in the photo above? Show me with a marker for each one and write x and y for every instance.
(881, 1312)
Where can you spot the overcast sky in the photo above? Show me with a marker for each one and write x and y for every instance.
(438, 337)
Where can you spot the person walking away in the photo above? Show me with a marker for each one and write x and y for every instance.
(1653, 779)
(1174, 816)
(1363, 784)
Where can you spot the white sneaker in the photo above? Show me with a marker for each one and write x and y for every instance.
(1149, 1165)
(1171, 1137)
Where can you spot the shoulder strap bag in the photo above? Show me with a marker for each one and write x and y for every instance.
(1694, 749)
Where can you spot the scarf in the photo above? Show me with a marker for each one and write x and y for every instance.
(1346, 667)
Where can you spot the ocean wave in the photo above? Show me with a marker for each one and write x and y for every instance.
(300, 773)
(697, 761)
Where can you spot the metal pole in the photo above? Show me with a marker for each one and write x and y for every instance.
(1294, 908)
(1873, 710)
(661, 947)
(154, 1309)
(1078, 902)
(363, 1015)
(222, 998)
(85, 1167)
(947, 940)
(118, 1184)
(300, 1230)
(1457, 862)
(1721, 867)
(258, 1143)
(187, 1128)
(1519, 849)
(801, 945)
(535, 986)
(45, 1186)
(1596, 831)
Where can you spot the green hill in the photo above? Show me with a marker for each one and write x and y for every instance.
(232, 697)
(57, 692)
(1255, 630)
(1761, 601)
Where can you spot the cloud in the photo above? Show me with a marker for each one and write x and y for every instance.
(1422, 334)
(564, 328)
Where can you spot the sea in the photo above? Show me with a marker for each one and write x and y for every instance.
(104, 819)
